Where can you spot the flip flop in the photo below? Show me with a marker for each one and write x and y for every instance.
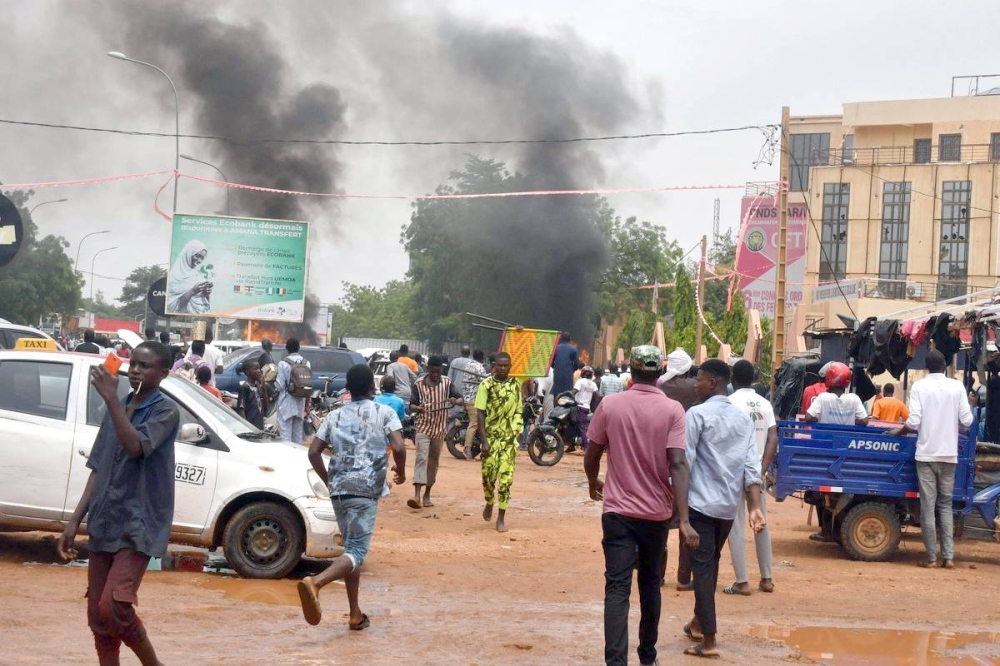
(699, 651)
(693, 635)
(309, 597)
(766, 587)
(365, 622)
(412, 503)
(732, 589)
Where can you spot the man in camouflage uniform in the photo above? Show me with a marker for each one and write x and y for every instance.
(498, 405)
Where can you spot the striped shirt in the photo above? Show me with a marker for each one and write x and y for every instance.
(434, 398)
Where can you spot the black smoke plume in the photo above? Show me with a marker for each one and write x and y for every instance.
(235, 81)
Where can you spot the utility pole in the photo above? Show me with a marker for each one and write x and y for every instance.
(701, 298)
(716, 222)
(778, 332)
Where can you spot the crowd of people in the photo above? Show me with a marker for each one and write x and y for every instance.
(686, 447)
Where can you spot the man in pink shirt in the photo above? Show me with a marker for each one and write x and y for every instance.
(643, 432)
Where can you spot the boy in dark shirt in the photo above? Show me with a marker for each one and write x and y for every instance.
(128, 501)
(252, 403)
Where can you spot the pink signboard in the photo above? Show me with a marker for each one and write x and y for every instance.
(757, 252)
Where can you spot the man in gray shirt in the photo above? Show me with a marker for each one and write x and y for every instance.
(403, 376)
(725, 470)
(456, 370)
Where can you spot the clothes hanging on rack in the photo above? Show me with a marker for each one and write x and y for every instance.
(862, 347)
(945, 337)
(891, 350)
(863, 386)
(915, 330)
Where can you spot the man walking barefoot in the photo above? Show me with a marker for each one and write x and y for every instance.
(647, 481)
(355, 435)
(498, 408)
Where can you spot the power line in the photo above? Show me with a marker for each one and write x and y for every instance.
(346, 142)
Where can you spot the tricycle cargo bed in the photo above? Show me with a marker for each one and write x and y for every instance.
(858, 460)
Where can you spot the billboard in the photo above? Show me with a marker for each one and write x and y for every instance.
(757, 252)
(237, 267)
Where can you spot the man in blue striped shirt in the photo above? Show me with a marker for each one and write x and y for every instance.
(725, 470)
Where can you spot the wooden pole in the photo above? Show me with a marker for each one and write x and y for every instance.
(701, 295)
(778, 329)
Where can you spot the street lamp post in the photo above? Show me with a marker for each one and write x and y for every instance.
(76, 262)
(32, 210)
(92, 262)
(118, 55)
(192, 159)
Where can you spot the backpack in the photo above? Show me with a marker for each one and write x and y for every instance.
(300, 381)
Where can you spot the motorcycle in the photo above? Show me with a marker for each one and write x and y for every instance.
(455, 437)
(323, 402)
(559, 432)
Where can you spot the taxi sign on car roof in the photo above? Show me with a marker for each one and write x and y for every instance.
(36, 344)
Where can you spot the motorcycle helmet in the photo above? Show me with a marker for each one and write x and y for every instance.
(587, 371)
(838, 375)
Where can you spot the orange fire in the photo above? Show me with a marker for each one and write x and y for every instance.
(279, 333)
(584, 357)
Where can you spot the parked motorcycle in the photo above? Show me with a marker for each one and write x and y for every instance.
(323, 402)
(559, 432)
(455, 437)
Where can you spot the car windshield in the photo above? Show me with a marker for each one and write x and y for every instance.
(202, 403)
(235, 356)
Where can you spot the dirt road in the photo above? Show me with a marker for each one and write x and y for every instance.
(443, 587)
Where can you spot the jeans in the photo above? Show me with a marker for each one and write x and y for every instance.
(705, 565)
(937, 486)
(356, 520)
(631, 543)
(738, 544)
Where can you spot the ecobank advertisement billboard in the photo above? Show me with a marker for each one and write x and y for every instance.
(237, 267)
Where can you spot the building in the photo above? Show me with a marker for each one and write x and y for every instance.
(901, 197)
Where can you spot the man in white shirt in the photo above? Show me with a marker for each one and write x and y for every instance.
(938, 407)
(212, 356)
(583, 392)
(746, 399)
(835, 406)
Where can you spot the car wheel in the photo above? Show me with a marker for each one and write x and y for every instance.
(263, 540)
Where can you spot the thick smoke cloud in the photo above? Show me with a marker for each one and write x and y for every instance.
(239, 83)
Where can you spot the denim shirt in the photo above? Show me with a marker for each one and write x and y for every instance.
(722, 455)
(133, 501)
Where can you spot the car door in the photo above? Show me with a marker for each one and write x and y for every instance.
(195, 466)
(36, 437)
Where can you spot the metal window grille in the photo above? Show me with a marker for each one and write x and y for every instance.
(806, 150)
(950, 148)
(995, 147)
(953, 267)
(833, 256)
(922, 151)
(894, 240)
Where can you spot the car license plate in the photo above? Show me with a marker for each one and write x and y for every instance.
(190, 474)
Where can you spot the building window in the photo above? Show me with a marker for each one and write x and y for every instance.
(922, 151)
(995, 147)
(806, 150)
(950, 148)
(895, 239)
(833, 245)
(847, 154)
(953, 269)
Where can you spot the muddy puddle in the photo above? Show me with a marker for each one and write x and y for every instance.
(842, 647)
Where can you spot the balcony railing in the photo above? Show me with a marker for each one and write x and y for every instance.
(891, 155)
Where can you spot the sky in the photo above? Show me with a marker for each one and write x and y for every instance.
(401, 71)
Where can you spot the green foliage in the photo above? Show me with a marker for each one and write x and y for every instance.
(101, 308)
(40, 280)
(135, 289)
(733, 327)
(377, 313)
(638, 329)
(640, 255)
(682, 332)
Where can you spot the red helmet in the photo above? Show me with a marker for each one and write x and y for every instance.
(838, 375)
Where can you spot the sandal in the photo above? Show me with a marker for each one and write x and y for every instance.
(365, 622)
(692, 634)
(699, 651)
(732, 589)
(685, 587)
(309, 597)
(766, 587)
(412, 503)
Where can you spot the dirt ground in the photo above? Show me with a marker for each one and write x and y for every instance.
(443, 587)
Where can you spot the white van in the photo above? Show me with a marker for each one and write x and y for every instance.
(237, 487)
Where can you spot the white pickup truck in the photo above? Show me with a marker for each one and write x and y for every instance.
(236, 486)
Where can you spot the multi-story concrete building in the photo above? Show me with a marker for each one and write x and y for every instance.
(902, 198)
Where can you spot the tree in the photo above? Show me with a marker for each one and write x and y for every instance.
(640, 255)
(638, 329)
(533, 261)
(378, 313)
(40, 280)
(100, 307)
(135, 289)
(682, 331)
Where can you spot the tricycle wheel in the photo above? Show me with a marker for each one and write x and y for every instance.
(871, 532)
